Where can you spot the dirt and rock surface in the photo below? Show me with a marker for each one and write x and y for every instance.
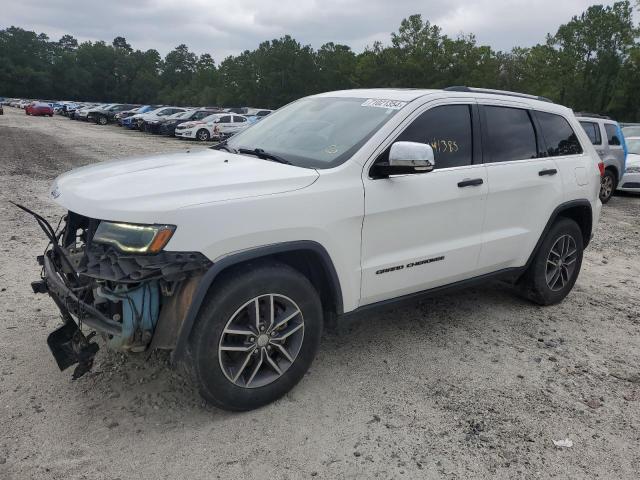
(475, 384)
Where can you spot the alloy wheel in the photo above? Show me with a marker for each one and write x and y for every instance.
(261, 340)
(606, 186)
(561, 262)
(203, 136)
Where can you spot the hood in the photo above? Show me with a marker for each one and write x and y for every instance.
(633, 159)
(147, 190)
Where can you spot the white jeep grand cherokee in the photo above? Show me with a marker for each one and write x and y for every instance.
(234, 257)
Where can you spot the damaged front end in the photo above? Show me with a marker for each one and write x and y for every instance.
(113, 280)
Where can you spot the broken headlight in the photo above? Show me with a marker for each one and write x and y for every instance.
(134, 238)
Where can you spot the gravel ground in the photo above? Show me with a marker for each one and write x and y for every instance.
(467, 385)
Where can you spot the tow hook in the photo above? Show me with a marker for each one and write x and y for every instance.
(70, 346)
(39, 287)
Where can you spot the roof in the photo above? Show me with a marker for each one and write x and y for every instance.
(401, 94)
(410, 94)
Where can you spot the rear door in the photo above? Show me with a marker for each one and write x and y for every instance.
(238, 123)
(524, 185)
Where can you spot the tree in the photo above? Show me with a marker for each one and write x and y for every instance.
(592, 63)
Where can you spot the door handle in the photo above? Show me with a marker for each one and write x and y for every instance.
(550, 171)
(470, 183)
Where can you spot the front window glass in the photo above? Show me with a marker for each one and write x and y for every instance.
(318, 132)
(448, 130)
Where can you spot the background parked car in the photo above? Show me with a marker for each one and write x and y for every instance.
(257, 115)
(87, 114)
(144, 119)
(107, 115)
(122, 117)
(82, 111)
(167, 126)
(607, 138)
(39, 109)
(630, 181)
(630, 130)
(216, 126)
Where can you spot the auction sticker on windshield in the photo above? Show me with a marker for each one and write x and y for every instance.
(391, 104)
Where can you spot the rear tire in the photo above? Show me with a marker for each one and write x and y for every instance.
(608, 185)
(102, 120)
(258, 371)
(203, 135)
(556, 265)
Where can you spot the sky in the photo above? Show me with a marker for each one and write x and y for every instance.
(227, 27)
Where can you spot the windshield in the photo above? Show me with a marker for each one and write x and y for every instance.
(631, 131)
(633, 145)
(317, 132)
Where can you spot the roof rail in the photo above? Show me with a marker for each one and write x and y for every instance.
(592, 115)
(462, 88)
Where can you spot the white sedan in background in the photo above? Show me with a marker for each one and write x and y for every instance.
(630, 181)
(216, 126)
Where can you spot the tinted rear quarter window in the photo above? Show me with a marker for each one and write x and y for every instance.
(509, 134)
(612, 134)
(593, 132)
(559, 137)
(448, 130)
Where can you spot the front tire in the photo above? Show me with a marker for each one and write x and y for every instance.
(255, 336)
(556, 265)
(203, 135)
(607, 186)
(102, 120)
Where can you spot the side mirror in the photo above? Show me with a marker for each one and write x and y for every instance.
(406, 158)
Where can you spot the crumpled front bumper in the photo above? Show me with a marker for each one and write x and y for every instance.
(69, 303)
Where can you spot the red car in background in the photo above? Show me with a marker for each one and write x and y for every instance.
(39, 108)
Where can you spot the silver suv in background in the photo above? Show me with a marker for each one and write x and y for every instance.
(607, 138)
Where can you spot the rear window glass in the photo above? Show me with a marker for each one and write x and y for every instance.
(559, 137)
(612, 134)
(593, 132)
(510, 134)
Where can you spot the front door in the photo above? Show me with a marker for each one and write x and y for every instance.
(425, 230)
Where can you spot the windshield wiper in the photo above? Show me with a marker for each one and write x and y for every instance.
(223, 146)
(260, 153)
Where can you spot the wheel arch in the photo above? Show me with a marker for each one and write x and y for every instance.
(615, 171)
(306, 256)
(577, 210)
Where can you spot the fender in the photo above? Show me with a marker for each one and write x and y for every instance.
(240, 257)
(554, 215)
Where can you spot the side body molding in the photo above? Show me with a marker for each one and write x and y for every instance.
(241, 257)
